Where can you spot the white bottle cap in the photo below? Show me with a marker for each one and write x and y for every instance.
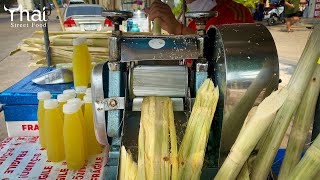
(74, 100)
(43, 95)
(70, 92)
(50, 103)
(81, 89)
(79, 40)
(88, 91)
(87, 99)
(70, 108)
(63, 97)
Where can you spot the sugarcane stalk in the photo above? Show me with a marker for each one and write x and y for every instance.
(254, 128)
(59, 14)
(157, 27)
(174, 146)
(301, 126)
(296, 87)
(309, 166)
(192, 149)
(244, 173)
(123, 160)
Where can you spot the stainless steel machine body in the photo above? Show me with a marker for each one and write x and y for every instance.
(241, 59)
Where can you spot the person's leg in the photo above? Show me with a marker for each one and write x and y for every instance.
(288, 23)
(295, 19)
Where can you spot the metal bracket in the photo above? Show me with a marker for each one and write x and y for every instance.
(113, 103)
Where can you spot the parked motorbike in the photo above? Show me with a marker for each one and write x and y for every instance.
(275, 15)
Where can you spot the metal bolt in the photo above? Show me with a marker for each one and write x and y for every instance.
(113, 103)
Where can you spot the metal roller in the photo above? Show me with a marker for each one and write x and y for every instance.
(169, 81)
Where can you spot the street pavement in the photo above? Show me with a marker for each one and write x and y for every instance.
(13, 68)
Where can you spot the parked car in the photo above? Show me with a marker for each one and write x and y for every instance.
(85, 17)
(76, 2)
(13, 7)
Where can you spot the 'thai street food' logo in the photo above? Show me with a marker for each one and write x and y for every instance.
(31, 16)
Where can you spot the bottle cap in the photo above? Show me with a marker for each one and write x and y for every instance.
(79, 40)
(70, 108)
(50, 103)
(81, 89)
(87, 99)
(43, 95)
(88, 91)
(74, 100)
(63, 97)
(70, 92)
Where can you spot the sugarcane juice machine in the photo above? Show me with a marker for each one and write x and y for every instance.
(241, 59)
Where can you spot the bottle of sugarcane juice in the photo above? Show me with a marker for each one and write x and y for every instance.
(81, 91)
(93, 146)
(54, 130)
(79, 103)
(62, 99)
(81, 62)
(73, 137)
(71, 92)
(43, 95)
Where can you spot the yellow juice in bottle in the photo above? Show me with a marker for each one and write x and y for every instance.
(62, 99)
(73, 137)
(81, 91)
(54, 131)
(78, 102)
(81, 62)
(43, 95)
(93, 146)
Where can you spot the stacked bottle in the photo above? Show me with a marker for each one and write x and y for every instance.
(73, 132)
(81, 91)
(62, 99)
(81, 63)
(42, 96)
(71, 92)
(53, 125)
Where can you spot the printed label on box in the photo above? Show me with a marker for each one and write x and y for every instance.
(22, 128)
(23, 158)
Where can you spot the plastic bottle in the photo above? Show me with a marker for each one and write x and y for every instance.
(81, 62)
(73, 137)
(54, 131)
(81, 90)
(70, 92)
(93, 146)
(43, 95)
(62, 99)
(79, 103)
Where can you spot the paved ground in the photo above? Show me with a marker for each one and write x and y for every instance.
(12, 69)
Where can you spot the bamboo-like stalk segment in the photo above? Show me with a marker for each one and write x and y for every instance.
(301, 126)
(157, 27)
(128, 168)
(174, 146)
(296, 87)
(309, 166)
(192, 149)
(59, 14)
(154, 155)
(254, 128)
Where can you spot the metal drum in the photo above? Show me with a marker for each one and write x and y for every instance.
(246, 70)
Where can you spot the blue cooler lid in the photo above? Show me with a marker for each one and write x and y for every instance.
(25, 91)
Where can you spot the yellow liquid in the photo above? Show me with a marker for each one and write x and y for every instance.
(80, 96)
(93, 146)
(54, 135)
(73, 141)
(61, 109)
(84, 136)
(41, 123)
(81, 64)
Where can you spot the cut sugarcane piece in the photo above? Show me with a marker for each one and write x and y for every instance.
(297, 85)
(193, 146)
(309, 166)
(301, 126)
(253, 128)
(128, 168)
